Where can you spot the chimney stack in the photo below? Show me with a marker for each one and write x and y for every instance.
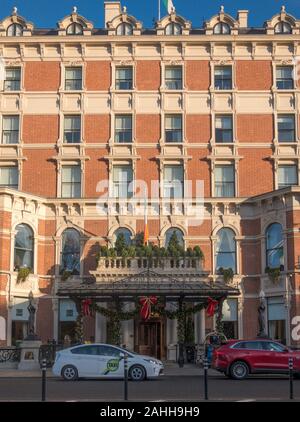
(111, 10)
(243, 18)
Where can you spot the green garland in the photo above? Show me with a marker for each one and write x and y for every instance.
(79, 335)
(137, 249)
(116, 315)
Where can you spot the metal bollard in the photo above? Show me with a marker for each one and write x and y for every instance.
(205, 378)
(125, 377)
(291, 376)
(44, 374)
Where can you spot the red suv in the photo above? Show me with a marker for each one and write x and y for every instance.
(239, 358)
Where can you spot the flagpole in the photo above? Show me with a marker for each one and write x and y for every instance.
(159, 15)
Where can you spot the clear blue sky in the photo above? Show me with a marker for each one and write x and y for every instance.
(45, 13)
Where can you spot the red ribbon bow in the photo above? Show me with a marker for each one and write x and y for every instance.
(86, 304)
(146, 303)
(211, 307)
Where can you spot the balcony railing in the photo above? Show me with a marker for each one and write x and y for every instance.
(135, 265)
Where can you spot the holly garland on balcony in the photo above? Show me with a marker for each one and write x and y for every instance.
(139, 250)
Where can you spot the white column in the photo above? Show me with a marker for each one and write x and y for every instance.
(202, 330)
(8, 326)
(100, 326)
(171, 333)
(197, 326)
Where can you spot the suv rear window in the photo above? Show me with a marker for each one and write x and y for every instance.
(273, 347)
(249, 345)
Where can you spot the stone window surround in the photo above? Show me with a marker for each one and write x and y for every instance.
(9, 114)
(284, 161)
(70, 162)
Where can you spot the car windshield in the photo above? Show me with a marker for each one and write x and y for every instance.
(122, 349)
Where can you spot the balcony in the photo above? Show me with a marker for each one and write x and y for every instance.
(114, 267)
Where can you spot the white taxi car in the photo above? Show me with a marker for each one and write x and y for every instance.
(104, 361)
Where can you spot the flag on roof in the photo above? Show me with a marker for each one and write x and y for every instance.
(168, 5)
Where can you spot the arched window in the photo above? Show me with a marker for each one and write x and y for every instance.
(24, 241)
(225, 250)
(15, 30)
(283, 28)
(173, 29)
(222, 28)
(124, 29)
(274, 246)
(70, 259)
(75, 29)
(122, 231)
(171, 232)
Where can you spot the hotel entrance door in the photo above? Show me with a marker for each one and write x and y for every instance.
(150, 339)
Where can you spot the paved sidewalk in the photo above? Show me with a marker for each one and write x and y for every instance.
(171, 369)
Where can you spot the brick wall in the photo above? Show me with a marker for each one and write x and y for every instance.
(98, 75)
(148, 128)
(254, 128)
(42, 76)
(95, 171)
(199, 169)
(148, 75)
(38, 168)
(44, 324)
(96, 128)
(255, 172)
(198, 128)
(254, 75)
(39, 129)
(250, 318)
(197, 75)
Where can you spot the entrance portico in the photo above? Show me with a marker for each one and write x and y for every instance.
(186, 286)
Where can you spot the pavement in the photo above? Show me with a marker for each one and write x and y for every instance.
(171, 369)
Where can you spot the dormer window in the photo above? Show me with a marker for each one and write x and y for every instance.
(124, 29)
(222, 28)
(75, 29)
(173, 29)
(15, 30)
(283, 28)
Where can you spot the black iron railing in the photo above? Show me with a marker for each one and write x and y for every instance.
(9, 355)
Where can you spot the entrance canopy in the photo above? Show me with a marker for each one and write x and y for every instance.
(148, 283)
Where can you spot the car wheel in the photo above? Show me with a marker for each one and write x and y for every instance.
(239, 370)
(69, 373)
(137, 373)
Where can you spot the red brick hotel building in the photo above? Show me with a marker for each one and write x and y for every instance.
(217, 103)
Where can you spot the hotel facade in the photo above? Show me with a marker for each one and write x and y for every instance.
(80, 105)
